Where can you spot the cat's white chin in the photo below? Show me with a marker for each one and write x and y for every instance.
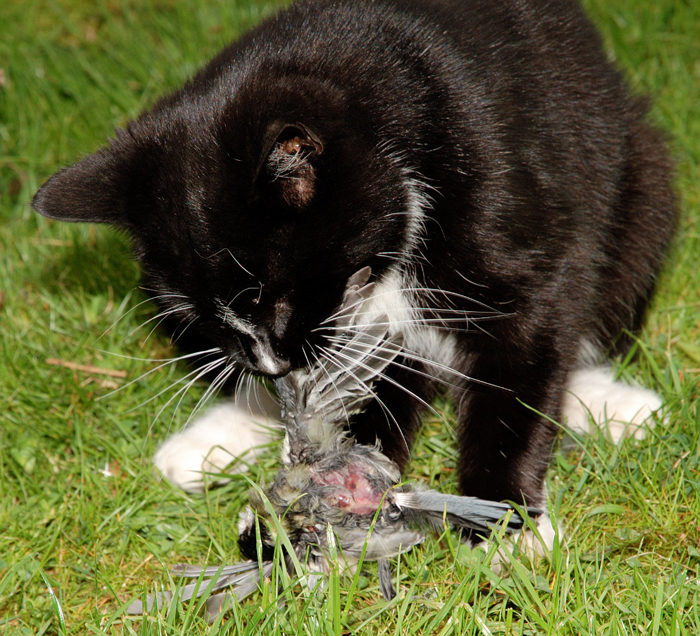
(223, 441)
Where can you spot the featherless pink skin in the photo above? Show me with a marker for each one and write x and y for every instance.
(351, 490)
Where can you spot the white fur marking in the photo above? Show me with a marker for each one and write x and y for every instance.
(228, 431)
(390, 299)
(416, 202)
(232, 320)
(265, 361)
(533, 544)
(593, 394)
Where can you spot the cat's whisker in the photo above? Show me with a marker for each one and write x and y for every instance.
(329, 355)
(160, 316)
(243, 377)
(446, 294)
(204, 398)
(404, 366)
(212, 390)
(177, 335)
(160, 294)
(415, 371)
(235, 260)
(416, 357)
(136, 306)
(185, 308)
(198, 374)
(255, 387)
(418, 322)
(168, 360)
(164, 363)
(345, 309)
(228, 304)
(328, 376)
(199, 370)
(122, 315)
(391, 380)
(449, 295)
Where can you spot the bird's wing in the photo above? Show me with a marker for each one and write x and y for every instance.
(242, 579)
(466, 512)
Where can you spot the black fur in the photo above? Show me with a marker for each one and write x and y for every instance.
(289, 162)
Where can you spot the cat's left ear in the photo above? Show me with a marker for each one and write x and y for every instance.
(290, 163)
(92, 190)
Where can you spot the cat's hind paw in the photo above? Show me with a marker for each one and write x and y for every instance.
(623, 410)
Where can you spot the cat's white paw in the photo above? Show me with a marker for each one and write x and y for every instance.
(232, 430)
(595, 396)
(533, 544)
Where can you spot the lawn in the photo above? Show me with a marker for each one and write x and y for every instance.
(86, 526)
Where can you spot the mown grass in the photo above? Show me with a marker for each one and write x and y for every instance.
(85, 524)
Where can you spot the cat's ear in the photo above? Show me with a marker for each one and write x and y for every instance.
(92, 190)
(290, 163)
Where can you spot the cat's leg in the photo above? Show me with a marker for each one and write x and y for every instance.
(642, 232)
(505, 441)
(594, 397)
(228, 436)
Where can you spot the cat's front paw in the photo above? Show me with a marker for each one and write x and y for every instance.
(532, 543)
(225, 438)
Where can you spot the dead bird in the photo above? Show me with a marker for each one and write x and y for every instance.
(328, 481)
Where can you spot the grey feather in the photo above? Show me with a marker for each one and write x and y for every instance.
(386, 585)
(242, 579)
(466, 512)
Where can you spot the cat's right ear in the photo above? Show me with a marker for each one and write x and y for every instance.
(289, 163)
(92, 190)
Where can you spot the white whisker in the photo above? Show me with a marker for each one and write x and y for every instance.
(212, 390)
(403, 366)
(165, 362)
(391, 381)
(413, 355)
(200, 373)
(176, 336)
(328, 355)
(204, 370)
(185, 308)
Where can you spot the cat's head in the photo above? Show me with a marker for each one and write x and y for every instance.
(249, 207)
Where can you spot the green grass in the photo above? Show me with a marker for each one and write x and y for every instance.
(85, 524)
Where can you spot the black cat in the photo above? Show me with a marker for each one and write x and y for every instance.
(483, 158)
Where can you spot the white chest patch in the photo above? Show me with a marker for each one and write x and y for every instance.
(392, 297)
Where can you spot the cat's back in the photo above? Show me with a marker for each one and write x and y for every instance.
(359, 42)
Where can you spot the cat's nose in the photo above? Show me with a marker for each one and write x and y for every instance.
(265, 359)
(273, 366)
